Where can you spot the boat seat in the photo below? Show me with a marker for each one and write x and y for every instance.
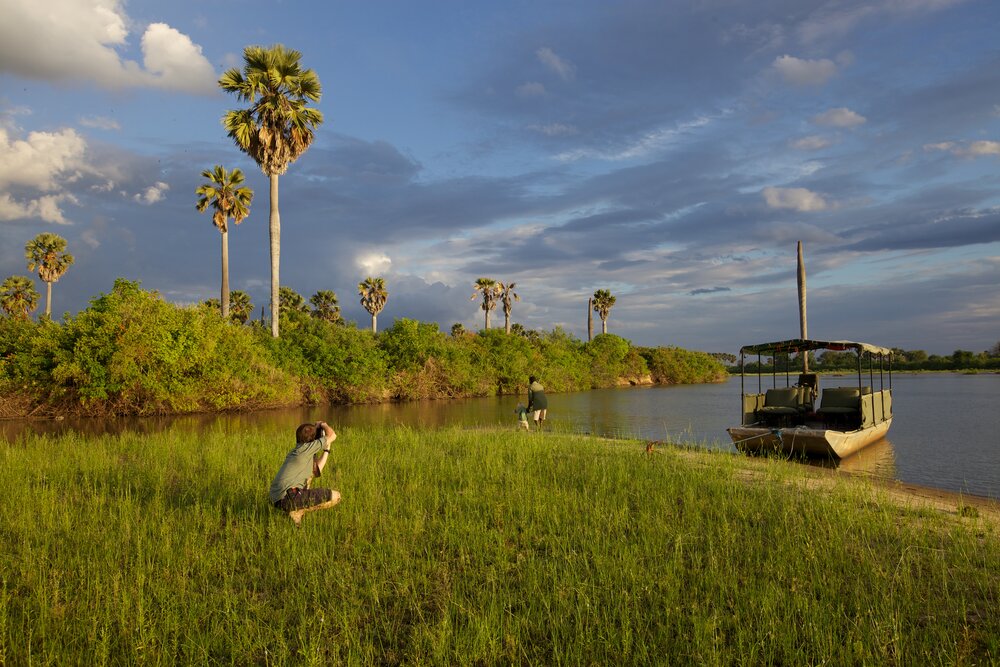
(840, 407)
(840, 401)
(782, 406)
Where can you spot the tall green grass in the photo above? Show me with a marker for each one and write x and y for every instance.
(473, 547)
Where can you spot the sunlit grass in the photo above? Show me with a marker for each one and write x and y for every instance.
(473, 546)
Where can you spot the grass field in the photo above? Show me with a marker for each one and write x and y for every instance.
(475, 547)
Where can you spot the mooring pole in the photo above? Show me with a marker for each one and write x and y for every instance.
(803, 328)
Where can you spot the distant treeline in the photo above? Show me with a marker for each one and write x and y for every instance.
(132, 353)
(902, 360)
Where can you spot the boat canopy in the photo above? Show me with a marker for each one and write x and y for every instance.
(805, 345)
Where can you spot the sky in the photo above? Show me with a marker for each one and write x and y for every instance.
(671, 152)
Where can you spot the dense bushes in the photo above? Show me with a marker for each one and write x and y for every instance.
(130, 352)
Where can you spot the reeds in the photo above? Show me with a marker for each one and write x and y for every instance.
(474, 546)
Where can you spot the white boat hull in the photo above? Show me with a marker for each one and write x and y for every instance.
(804, 441)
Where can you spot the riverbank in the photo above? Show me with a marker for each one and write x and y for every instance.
(487, 546)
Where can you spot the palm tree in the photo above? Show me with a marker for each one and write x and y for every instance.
(240, 306)
(373, 297)
(276, 129)
(46, 251)
(603, 301)
(292, 301)
(457, 330)
(490, 290)
(325, 306)
(506, 292)
(224, 193)
(18, 297)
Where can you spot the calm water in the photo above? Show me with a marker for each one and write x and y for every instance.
(944, 432)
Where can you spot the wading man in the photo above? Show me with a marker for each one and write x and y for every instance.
(290, 490)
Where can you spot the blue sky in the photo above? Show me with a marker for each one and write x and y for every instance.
(672, 152)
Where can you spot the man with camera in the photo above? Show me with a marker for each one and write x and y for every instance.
(290, 490)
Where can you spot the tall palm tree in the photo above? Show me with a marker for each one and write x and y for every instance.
(325, 306)
(47, 252)
(603, 301)
(490, 291)
(373, 297)
(276, 129)
(18, 297)
(507, 295)
(225, 192)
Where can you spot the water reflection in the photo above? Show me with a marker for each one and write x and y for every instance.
(934, 442)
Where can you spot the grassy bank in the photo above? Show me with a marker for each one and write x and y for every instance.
(476, 547)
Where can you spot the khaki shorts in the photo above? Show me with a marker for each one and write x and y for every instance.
(297, 499)
(538, 414)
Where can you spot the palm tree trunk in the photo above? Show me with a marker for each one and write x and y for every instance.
(590, 319)
(275, 228)
(48, 299)
(506, 323)
(604, 325)
(487, 320)
(224, 297)
(374, 324)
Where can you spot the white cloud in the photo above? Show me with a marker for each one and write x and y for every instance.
(811, 143)
(796, 199)
(44, 162)
(373, 264)
(801, 72)
(839, 117)
(90, 238)
(966, 149)
(531, 89)
(78, 40)
(175, 61)
(983, 148)
(563, 68)
(45, 208)
(650, 142)
(152, 194)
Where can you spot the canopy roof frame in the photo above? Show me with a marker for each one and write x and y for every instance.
(806, 345)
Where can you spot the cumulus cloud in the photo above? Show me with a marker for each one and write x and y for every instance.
(373, 263)
(563, 68)
(152, 194)
(44, 163)
(810, 143)
(79, 40)
(796, 199)
(839, 117)
(799, 72)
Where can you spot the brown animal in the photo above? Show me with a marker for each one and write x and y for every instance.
(651, 447)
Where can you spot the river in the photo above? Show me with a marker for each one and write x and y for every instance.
(944, 432)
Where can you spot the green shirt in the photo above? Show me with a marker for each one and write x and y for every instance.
(297, 469)
(536, 397)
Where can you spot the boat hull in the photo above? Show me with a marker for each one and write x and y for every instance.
(803, 441)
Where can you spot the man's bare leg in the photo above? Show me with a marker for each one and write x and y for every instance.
(296, 515)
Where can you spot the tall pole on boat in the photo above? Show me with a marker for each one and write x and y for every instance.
(803, 328)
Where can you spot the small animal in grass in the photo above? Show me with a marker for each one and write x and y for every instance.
(651, 447)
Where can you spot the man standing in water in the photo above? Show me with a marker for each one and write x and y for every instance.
(290, 490)
(538, 404)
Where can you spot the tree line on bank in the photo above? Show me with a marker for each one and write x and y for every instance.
(902, 360)
(132, 353)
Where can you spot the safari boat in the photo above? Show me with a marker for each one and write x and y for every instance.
(798, 417)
